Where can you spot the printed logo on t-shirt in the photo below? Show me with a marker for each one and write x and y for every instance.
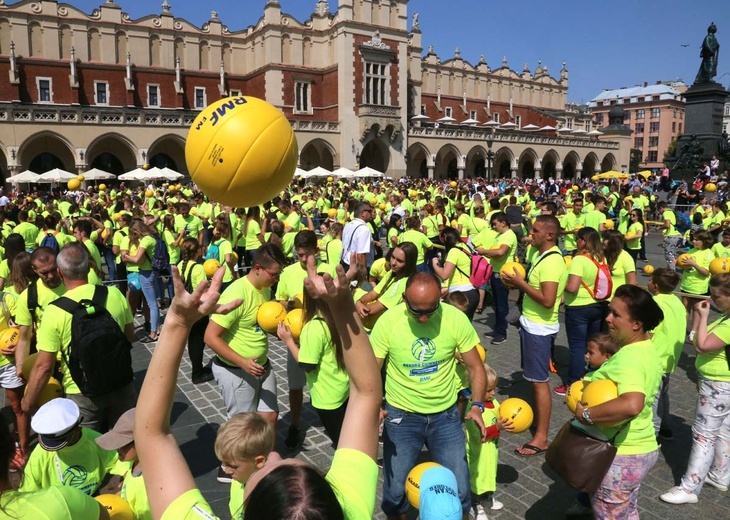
(75, 476)
(423, 349)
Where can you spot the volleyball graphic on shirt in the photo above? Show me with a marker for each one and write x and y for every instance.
(423, 349)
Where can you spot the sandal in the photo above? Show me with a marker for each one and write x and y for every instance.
(535, 450)
(148, 339)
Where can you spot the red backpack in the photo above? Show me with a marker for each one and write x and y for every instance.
(481, 269)
(603, 287)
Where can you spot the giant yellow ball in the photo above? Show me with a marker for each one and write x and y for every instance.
(720, 265)
(74, 184)
(149, 193)
(575, 187)
(52, 390)
(568, 261)
(453, 184)
(269, 315)
(295, 320)
(681, 262)
(509, 268)
(519, 411)
(210, 266)
(102, 187)
(413, 482)
(116, 506)
(241, 151)
(28, 365)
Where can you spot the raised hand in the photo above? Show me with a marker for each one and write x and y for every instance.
(189, 308)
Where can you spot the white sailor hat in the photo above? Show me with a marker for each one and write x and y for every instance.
(54, 422)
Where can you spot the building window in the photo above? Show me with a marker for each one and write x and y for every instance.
(639, 128)
(448, 111)
(235, 93)
(639, 142)
(376, 82)
(200, 97)
(627, 116)
(101, 92)
(423, 110)
(518, 121)
(656, 98)
(654, 141)
(153, 95)
(640, 99)
(569, 123)
(45, 92)
(656, 112)
(640, 113)
(495, 117)
(679, 128)
(473, 114)
(674, 127)
(652, 156)
(654, 127)
(599, 119)
(303, 97)
(727, 110)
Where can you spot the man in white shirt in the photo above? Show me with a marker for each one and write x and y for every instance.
(4, 201)
(356, 236)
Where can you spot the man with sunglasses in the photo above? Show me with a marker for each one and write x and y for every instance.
(418, 341)
(356, 236)
(241, 367)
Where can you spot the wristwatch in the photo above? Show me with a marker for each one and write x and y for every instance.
(587, 416)
(479, 404)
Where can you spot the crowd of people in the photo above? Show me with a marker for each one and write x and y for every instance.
(390, 276)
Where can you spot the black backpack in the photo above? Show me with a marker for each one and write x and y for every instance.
(99, 356)
(161, 258)
(50, 241)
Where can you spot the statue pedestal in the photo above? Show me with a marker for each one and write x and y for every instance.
(704, 105)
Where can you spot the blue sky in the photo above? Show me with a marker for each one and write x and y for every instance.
(606, 44)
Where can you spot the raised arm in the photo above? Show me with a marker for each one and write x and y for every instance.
(166, 474)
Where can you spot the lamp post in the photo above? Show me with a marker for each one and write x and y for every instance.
(490, 154)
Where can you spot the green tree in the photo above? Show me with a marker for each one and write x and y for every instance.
(635, 159)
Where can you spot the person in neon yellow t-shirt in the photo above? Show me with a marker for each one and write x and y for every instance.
(353, 476)
(710, 451)
(543, 290)
(696, 279)
(636, 370)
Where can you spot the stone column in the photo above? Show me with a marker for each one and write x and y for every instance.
(430, 172)
(578, 172)
(559, 173)
(538, 171)
(513, 173)
(461, 172)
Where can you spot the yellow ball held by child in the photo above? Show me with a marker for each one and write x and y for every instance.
(295, 321)
(241, 151)
(574, 394)
(719, 266)
(269, 315)
(681, 261)
(210, 266)
(413, 482)
(510, 268)
(116, 506)
(519, 411)
(332, 213)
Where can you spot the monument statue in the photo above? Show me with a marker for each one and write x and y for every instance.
(709, 53)
(415, 21)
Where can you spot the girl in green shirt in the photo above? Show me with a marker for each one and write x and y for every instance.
(634, 234)
(696, 275)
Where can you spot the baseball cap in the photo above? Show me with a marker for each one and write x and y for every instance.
(119, 436)
(54, 422)
(439, 495)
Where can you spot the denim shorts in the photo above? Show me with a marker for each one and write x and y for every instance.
(535, 352)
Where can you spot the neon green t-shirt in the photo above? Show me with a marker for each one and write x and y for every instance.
(82, 466)
(333, 252)
(634, 368)
(720, 251)
(291, 281)
(377, 270)
(431, 223)
(235, 501)
(252, 235)
(194, 270)
(569, 222)
(482, 456)
(54, 334)
(243, 334)
(391, 290)
(669, 334)
(192, 225)
(420, 358)
(624, 265)
(224, 248)
(354, 479)
(189, 506)
(584, 268)
(594, 219)
(419, 240)
(329, 385)
(29, 232)
(510, 239)
(635, 229)
(174, 252)
(669, 215)
(549, 269)
(45, 297)
(713, 365)
(462, 262)
(133, 491)
(692, 281)
(53, 503)
(467, 228)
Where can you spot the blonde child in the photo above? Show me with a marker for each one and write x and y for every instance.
(482, 456)
(243, 445)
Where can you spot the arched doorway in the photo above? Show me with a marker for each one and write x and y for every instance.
(417, 161)
(45, 151)
(526, 164)
(569, 165)
(376, 155)
(317, 153)
(168, 151)
(549, 164)
(589, 165)
(113, 153)
(502, 163)
(162, 160)
(476, 163)
(447, 163)
(608, 163)
(4, 171)
(109, 163)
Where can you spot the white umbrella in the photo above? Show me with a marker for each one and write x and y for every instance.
(595, 133)
(546, 128)
(508, 124)
(491, 122)
(420, 117)
(446, 119)
(26, 176)
(95, 174)
(319, 172)
(301, 173)
(368, 172)
(564, 129)
(56, 175)
(135, 175)
(579, 131)
(169, 174)
(470, 121)
(343, 172)
(530, 128)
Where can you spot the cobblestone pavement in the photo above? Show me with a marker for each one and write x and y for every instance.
(527, 487)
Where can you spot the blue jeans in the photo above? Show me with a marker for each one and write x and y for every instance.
(111, 262)
(404, 435)
(580, 324)
(161, 284)
(148, 280)
(501, 306)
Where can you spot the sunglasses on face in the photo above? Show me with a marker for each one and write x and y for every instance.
(421, 312)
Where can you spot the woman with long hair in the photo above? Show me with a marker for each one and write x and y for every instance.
(173, 242)
(456, 269)
(21, 274)
(636, 372)
(319, 352)
(142, 242)
(14, 245)
(170, 485)
(709, 459)
(583, 312)
(623, 267)
(394, 229)
(635, 233)
(252, 233)
(332, 248)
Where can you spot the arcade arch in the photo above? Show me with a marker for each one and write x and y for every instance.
(317, 152)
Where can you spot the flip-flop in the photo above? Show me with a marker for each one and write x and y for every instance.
(527, 446)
